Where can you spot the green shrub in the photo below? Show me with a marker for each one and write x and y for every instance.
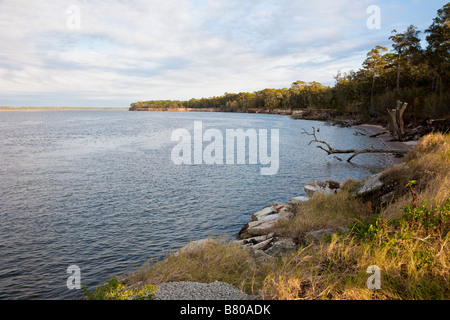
(113, 289)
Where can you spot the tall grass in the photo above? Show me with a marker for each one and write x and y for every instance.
(408, 239)
(214, 260)
(324, 211)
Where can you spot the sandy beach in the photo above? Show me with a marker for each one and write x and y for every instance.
(385, 138)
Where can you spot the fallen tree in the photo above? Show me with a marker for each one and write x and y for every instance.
(325, 146)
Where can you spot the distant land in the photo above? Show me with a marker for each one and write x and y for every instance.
(4, 108)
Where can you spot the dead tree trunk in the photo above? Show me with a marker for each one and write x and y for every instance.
(329, 150)
(397, 127)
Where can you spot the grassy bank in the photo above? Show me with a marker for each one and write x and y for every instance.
(407, 238)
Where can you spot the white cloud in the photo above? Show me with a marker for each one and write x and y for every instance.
(134, 50)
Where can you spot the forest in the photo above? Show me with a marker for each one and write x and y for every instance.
(408, 71)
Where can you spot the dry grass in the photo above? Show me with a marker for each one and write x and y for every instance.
(429, 166)
(410, 245)
(414, 258)
(324, 212)
(215, 260)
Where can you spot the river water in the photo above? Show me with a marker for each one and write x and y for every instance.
(99, 189)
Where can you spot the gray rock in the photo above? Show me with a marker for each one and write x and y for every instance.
(263, 245)
(255, 240)
(270, 217)
(258, 228)
(326, 187)
(281, 246)
(192, 245)
(263, 213)
(369, 185)
(264, 220)
(285, 215)
(299, 199)
(199, 291)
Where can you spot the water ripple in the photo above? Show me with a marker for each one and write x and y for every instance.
(98, 189)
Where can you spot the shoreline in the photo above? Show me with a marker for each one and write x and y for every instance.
(385, 138)
(325, 186)
(257, 111)
(259, 234)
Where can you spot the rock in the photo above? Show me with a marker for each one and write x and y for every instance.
(263, 213)
(281, 246)
(299, 199)
(326, 187)
(258, 228)
(313, 187)
(264, 220)
(255, 240)
(249, 242)
(242, 234)
(192, 245)
(317, 235)
(369, 185)
(263, 245)
(199, 291)
(285, 215)
(269, 217)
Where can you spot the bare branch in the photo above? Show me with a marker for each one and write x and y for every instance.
(316, 140)
(378, 134)
(354, 152)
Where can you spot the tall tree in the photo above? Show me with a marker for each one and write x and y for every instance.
(406, 45)
(374, 62)
(438, 38)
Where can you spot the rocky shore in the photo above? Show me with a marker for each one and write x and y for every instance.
(259, 234)
(260, 237)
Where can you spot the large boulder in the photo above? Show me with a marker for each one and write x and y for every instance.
(258, 228)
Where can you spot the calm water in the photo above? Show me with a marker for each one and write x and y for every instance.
(98, 189)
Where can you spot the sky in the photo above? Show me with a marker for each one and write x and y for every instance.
(112, 53)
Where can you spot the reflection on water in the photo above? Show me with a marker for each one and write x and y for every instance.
(98, 189)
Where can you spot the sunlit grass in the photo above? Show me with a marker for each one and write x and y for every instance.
(408, 239)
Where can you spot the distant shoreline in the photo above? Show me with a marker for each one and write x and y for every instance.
(251, 110)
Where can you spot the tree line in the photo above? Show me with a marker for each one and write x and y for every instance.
(408, 72)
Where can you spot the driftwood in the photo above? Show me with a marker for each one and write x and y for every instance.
(378, 134)
(325, 146)
(397, 126)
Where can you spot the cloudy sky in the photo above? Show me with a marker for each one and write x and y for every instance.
(114, 52)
